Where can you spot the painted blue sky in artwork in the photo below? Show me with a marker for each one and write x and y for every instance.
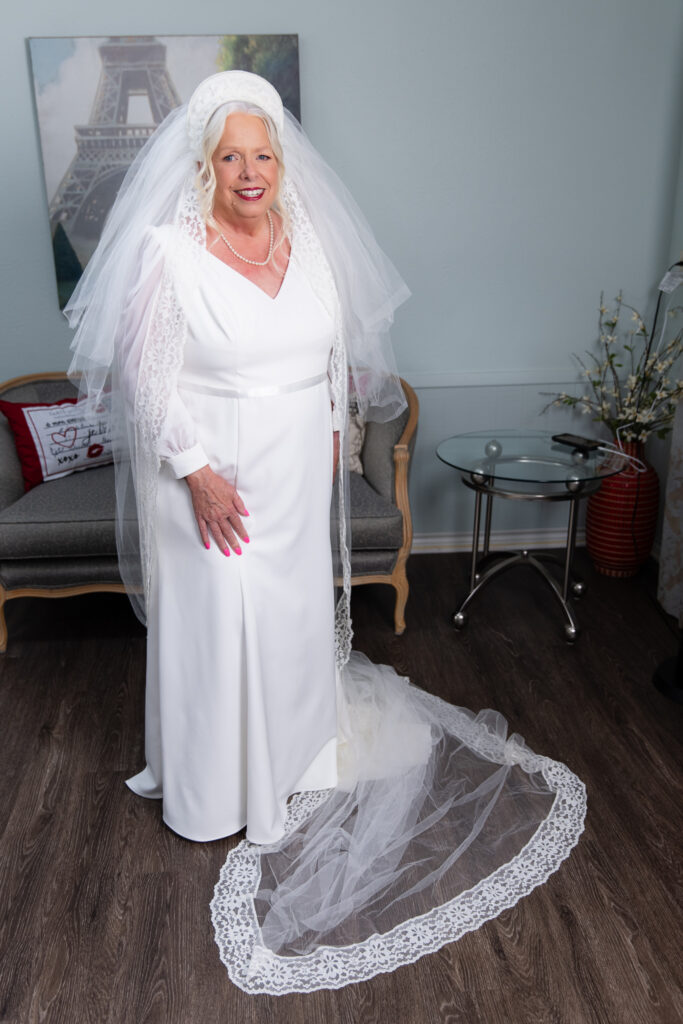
(47, 56)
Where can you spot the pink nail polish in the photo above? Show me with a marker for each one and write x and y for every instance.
(238, 551)
(245, 539)
(245, 512)
(207, 546)
(226, 552)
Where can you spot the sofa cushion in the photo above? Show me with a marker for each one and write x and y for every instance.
(375, 522)
(368, 563)
(377, 455)
(54, 573)
(73, 515)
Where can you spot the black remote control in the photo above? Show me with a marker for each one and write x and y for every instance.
(575, 441)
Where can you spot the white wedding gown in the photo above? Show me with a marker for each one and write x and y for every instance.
(415, 821)
(240, 704)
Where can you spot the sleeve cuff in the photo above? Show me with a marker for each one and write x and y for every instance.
(188, 461)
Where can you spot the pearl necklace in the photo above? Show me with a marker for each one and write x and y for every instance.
(254, 263)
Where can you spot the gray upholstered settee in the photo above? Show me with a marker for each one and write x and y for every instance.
(58, 539)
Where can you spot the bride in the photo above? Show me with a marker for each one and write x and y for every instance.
(236, 296)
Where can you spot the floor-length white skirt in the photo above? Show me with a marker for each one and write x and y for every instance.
(240, 703)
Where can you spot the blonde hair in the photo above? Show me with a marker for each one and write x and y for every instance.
(205, 181)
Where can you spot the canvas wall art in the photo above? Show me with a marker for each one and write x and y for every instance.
(98, 100)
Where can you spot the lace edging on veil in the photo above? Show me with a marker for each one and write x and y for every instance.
(255, 968)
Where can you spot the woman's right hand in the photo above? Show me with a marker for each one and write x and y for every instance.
(218, 510)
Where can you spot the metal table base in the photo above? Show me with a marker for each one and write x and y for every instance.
(486, 568)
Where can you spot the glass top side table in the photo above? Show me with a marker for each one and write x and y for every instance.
(525, 466)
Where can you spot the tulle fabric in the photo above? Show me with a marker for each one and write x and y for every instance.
(154, 193)
(440, 821)
(125, 313)
(151, 194)
(122, 285)
(368, 285)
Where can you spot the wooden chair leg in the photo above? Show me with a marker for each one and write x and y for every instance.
(401, 585)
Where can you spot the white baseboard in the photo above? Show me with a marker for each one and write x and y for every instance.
(514, 540)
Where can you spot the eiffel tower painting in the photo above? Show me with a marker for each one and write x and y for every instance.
(108, 144)
(128, 76)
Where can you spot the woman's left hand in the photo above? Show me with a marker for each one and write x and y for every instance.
(335, 453)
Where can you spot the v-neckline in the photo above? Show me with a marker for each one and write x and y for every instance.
(271, 298)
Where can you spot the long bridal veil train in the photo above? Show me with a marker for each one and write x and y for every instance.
(440, 821)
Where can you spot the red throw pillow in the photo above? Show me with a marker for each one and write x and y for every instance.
(57, 439)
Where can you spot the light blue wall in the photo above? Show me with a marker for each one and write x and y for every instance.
(676, 251)
(514, 157)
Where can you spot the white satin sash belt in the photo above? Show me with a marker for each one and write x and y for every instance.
(264, 392)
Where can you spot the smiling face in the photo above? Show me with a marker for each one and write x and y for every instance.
(246, 170)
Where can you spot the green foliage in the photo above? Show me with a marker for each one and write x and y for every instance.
(640, 401)
(275, 58)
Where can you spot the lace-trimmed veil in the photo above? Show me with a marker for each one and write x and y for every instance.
(439, 820)
(349, 272)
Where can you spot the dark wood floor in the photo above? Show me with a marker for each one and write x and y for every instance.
(104, 913)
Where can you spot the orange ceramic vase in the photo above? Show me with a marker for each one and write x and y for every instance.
(621, 518)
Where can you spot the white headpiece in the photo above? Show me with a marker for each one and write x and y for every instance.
(228, 87)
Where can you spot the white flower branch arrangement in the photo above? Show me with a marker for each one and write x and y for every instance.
(628, 384)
